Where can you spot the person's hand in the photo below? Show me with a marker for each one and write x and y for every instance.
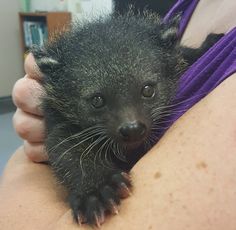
(28, 118)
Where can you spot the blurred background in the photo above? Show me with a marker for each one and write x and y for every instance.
(24, 23)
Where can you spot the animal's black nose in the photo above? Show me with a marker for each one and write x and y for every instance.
(133, 131)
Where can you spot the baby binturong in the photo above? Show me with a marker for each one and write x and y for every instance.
(107, 84)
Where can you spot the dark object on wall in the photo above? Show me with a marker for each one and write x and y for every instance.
(159, 6)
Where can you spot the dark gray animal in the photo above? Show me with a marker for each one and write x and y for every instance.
(105, 83)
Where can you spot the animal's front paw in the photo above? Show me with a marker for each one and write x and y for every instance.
(92, 207)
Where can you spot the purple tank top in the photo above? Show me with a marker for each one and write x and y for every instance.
(218, 63)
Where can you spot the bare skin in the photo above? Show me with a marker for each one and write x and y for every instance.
(209, 17)
(29, 117)
(189, 182)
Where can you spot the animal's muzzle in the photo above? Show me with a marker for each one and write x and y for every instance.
(133, 131)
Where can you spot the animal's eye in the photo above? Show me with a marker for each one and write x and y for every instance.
(98, 102)
(148, 91)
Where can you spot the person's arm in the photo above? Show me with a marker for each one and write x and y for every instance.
(187, 181)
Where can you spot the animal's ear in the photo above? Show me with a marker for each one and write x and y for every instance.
(169, 31)
(46, 62)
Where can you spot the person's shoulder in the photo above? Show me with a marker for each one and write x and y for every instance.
(229, 85)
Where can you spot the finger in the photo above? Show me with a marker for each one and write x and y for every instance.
(29, 127)
(35, 151)
(31, 68)
(27, 94)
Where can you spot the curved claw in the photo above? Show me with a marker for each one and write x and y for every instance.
(102, 217)
(113, 207)
(99, 220)
(126, 176)
(79, 219)
(124, 190)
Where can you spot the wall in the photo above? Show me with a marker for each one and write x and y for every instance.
(80, 8)
(47, 5)
(90, 8)
(11, 67)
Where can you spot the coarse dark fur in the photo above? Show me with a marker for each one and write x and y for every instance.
(158, 6)
(107, 83)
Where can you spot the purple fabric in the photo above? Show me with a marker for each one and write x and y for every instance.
(218, 63)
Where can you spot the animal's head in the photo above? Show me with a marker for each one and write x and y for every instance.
(117, 73)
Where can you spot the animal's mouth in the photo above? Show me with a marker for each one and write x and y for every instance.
(134, 144)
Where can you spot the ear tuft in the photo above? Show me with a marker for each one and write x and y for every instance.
(45, 62)
(169, 31)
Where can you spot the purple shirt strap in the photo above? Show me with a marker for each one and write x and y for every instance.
(208, 71)
(205, 74)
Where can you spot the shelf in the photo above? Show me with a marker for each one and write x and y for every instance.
(55, 22)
